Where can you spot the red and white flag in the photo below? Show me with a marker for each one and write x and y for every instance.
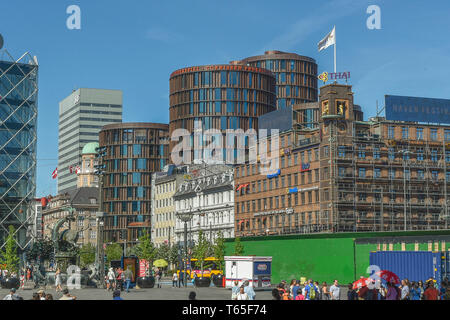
(77, 169)
(71, 169)
(55, 173)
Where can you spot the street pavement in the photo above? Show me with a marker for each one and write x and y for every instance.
(164, 293)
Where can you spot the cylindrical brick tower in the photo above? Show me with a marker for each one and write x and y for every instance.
(296, 76)
(219, 97)
(133, 152)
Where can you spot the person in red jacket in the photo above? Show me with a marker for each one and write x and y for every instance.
(431, 293)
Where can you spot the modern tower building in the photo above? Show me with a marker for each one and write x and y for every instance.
(296, 76)
(134, 151)
(18, 119)
(218, 97)
(81, 116)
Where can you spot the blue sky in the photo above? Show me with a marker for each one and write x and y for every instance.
(134, 45)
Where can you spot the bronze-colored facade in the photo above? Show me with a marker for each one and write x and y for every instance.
(133, 152)
(219, 97)
(296, 76)
(348, 175)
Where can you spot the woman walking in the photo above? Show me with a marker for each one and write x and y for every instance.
(58, 280)
(325, 292)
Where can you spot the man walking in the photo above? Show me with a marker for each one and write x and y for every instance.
(12, 295)
(128, 275)
(335, 291)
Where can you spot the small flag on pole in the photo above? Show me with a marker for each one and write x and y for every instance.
(329, 40)
(77, 170)
(55, 174)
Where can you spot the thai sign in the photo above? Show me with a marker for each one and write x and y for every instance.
(325, 76)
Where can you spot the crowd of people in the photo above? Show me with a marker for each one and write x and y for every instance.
(374, 290)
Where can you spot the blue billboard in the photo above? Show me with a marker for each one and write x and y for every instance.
(417, 109)
(262, 268)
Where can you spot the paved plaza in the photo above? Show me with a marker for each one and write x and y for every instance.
(164, 293)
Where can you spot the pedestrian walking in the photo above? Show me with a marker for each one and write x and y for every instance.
(158, 278)
(414, 292)
(325, 292)
(116, 295)
(175, 282)
(335, 291)
(119, 279)
(295, 289)
(351, 293)
(275, 294)
(242, 295)
(248, 289)
(110, 280)
(299, 295)
(48, 296)
(128, 275)
(192, 295)
(235, 290)
(405, 290)
(12, 295)
(311, 291)
(41, 294)
(392, 293)
(291, 288)
(181, 279)
(58, 280)
(431, 293)
(67, 295)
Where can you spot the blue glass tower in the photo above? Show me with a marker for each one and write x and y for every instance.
(18, 119)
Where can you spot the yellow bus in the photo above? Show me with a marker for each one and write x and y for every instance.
(211, 267)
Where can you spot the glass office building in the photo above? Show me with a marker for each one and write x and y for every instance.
(18, 119)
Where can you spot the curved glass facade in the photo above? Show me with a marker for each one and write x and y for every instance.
(18, 117)
(296, 76)
(220, 97)
(133, 152)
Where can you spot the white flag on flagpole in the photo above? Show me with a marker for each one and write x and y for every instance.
(329, 40)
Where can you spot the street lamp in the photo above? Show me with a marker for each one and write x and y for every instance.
(185, 216)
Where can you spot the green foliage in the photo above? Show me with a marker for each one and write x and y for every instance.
(219, 250)
(173, 255)
(201, 250)
(238, 247)
(87, 254)
(9, 255)
(163, 252)
(113, 252)
(145, 249)
(42, 248)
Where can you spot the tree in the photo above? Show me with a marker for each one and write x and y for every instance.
(238, 247)
(173, 255)
(163, 252)
(219, 250)
(201, 250)
(87, 254)
(9, 255)
(146, 250)
(113, 252)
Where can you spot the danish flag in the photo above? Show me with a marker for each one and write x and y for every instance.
(55, 173)
(77, 169)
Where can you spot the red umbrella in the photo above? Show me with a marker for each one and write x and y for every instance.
(389, 276)
(361, 283)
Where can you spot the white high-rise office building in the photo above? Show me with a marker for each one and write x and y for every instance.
(81, 116)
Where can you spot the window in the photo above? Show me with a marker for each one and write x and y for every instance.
(341, 151)
(420, 154)
(376, 153)
(433, 134)
(391, 131)
(447, 135)
(434, 175)
(419, 133)
(405, 132)
(407, 174)
(420, 174)
(341, 172)
(434, 156)
(137, 149)
(362, 152)
(136, 178)
(391, 154)
(362, 172)
(377, 173)
(362, 197)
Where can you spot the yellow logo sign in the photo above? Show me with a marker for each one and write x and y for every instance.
(323, 76)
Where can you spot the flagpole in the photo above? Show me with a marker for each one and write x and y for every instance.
(334, 49)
